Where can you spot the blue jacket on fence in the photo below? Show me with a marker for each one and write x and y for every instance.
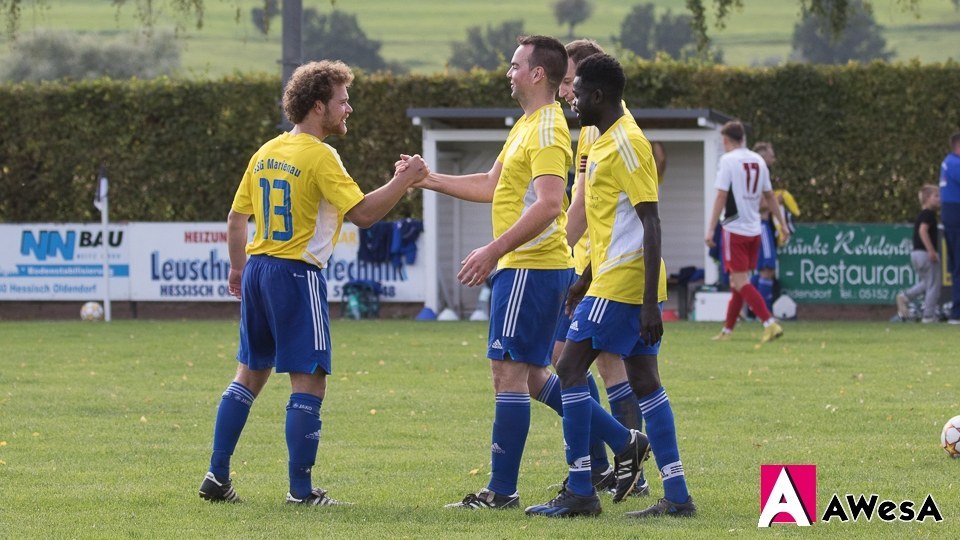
(375, 243)
(403, 245)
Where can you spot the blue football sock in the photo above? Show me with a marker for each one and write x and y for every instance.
(511, 422)
(663, 443)
(765, 287)
(577, 411)
(624, 406)
(606, 427)
(303, 437)
(232, 415)
(550, 394)
(626, 409)
(598, 451)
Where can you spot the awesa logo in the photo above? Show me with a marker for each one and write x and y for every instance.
(788, 494)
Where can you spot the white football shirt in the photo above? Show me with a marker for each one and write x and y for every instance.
(744, 176)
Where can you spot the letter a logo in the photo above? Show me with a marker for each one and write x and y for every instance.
(788, 494)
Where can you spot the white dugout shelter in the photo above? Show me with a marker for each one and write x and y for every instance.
(468, 140)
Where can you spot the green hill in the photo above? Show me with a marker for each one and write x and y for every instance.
(418, 33)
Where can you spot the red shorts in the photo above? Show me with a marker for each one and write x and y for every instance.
(740, 252)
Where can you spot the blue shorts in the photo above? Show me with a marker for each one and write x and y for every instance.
(612, 327)
(563, 322)
(524, 307)
(284, 320)
(768, 247)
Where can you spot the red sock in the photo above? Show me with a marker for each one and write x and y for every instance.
(753, 298)
(733, 310)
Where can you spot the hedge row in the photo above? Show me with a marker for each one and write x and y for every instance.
(854, 143)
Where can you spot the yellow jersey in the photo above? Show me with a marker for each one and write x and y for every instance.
(538, 144)
(298, 192)
(581, 250)
(621, 173)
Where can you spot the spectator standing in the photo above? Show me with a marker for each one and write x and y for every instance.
(924, 258)
(950, 215)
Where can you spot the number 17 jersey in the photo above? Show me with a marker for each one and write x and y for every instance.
(744, 176)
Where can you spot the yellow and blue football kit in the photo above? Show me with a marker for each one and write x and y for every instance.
(531, 281)
(298, 192)
(581, 250)
(620, 174)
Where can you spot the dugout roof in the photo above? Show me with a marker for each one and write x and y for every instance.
(466, 118)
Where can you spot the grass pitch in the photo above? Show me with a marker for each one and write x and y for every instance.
(105, 431)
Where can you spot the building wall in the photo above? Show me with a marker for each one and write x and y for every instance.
(464, 226)
(681, 206)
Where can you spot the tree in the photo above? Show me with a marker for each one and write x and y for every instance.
(672, 35)
(48, 56)
(339, 36)
(263, 16)
(836, 12)
(572, 13)
(488, 51)
(860, 40)
(636, 31)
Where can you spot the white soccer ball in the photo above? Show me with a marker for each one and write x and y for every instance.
(950, 437)
(91, 311)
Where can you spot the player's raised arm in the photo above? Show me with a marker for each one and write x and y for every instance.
(377, 203)
(477, 187)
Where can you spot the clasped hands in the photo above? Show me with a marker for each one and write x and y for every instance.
(411, 169)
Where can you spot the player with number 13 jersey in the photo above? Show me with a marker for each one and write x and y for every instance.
(281, 188)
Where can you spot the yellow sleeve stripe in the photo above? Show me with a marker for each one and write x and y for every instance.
(547, 121)
(590, 134)
(625, 149)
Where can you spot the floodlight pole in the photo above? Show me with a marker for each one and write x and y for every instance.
(102, 204)
(292, 53)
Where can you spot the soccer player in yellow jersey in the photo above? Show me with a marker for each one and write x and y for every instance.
(298, 193)
(623, 404)
(528, 257)
(617, 299)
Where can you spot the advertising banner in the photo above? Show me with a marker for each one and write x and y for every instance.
(58, 261)
(175, 262)
(840, 263)
(169, 262)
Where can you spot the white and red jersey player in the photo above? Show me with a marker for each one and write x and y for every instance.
(744, 175)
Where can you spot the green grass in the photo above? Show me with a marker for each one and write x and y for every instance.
(418, 33)
(105, 431)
